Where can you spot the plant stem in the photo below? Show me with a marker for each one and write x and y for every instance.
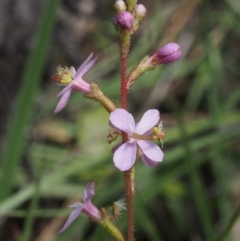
(130, 191)
(124, 90)
(128, 175)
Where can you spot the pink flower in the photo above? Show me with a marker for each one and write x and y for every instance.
(169, 53)
(138, 136)
(86, 207)
(73, 80)
(124, 19)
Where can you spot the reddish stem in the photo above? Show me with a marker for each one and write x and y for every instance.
(129, 190)
(129, 183)
(124, 90)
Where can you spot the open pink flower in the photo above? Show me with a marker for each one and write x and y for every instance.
(76, 82)
(86, 207)
(138, 136)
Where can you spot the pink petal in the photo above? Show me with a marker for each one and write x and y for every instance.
(125, 156)
(81, 85)
(85, 67)
(151, 150)
(76, 205)
(66, 89)
(89, 192)
(149, 119)
(74, 214)
(168, 49)
(63, 101)
(122, 120)
(148, 161)
(91, 211)
(79, 70)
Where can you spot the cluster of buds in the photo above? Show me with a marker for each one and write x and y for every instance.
(126, 19)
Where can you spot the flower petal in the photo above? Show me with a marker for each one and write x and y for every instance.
(76, 205)
(89, 192)
(63, 101)
(85, 67)
(81, 85)
(91, 211)
(74, 214)
(122, 120)
(148, 161)
(125, 156)
(66, 89)
(149, 119)
(151, 150)
(79, 70)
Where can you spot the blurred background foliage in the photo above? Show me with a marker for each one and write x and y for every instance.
(46, 160)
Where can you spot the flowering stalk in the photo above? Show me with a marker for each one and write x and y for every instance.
(137, 138)
(129, 178)
(124, 23)
(128, 175)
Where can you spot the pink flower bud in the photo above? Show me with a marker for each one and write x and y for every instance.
(141, 11)
(124, 19)
(119, 6)
(169, 53)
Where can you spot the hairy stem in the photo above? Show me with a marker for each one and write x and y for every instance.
(130, 191)
(124, 90)
(128, 175)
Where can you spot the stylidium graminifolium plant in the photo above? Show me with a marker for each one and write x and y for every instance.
(137, 139)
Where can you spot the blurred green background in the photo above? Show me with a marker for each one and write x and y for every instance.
(46, 160)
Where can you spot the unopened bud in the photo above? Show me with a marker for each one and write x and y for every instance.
(120, 6)
(141, 12)
(124, 19)
(169, 53)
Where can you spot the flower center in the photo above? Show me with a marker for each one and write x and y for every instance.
(63, 75)
(140, 137)
(157, 134)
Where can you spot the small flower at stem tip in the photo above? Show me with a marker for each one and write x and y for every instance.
(124, 19)
(169, 53)
(73, 81)
(86, 207)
